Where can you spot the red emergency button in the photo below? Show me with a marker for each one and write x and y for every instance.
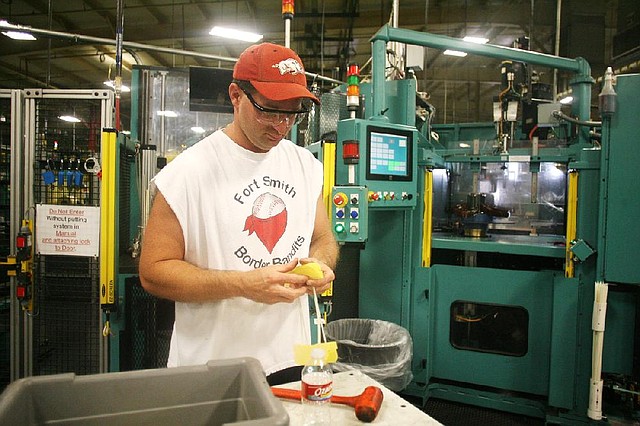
(340, 199)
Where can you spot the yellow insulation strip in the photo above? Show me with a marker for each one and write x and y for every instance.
(572, 212)
(427, 227)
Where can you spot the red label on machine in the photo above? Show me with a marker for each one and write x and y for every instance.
(317, 392)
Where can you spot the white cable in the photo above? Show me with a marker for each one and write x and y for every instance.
(319, 320)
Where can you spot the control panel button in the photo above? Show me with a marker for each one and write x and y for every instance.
(340, 213)
(354, 213)
(340, 199)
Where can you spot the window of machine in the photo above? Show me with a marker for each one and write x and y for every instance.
(502, 198)
(489, 328)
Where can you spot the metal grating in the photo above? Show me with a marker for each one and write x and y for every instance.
(5, 167)
(67, 331)
(149, 323)
(332, 109)
(66, 318)
(5, 290)
(126, 164)
(67, 150)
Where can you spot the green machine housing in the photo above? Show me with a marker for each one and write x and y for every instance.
(500, 317)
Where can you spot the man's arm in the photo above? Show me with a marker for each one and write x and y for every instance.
(165, 273)
(323, 249)
(323, 243)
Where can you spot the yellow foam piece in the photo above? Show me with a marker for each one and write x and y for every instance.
(302, 353)
(311, 270)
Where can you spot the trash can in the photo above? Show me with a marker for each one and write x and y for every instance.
(382, 350)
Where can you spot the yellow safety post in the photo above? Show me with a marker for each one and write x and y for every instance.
(427, 222)
(329, 173)
(572, 212)
(108, 151)
(329, 170)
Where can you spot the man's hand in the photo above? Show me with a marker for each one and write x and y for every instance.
(320, 284)
(275, 284)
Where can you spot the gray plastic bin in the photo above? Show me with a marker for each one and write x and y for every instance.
(221, 392)
(380, 349)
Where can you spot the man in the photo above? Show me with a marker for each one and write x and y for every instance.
(233, 216)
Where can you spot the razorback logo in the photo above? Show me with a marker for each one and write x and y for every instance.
(289, 66)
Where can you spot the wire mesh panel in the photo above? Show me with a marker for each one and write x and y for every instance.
(124, 201)
(67, 320)
(5, 166)
(149, 322)
(67, 152)
(333, 109)
(66, 316)
(5, 290)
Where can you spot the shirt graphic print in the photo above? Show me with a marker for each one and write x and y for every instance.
(268, 220)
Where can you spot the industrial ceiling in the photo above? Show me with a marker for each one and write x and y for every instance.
(76, 49)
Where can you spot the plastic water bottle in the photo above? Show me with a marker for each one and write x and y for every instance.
(317, 389)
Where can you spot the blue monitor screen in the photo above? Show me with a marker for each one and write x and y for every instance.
(389, 154)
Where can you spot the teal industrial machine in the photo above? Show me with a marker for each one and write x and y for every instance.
(505, 248)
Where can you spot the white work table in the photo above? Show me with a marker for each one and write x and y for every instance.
(394, 410)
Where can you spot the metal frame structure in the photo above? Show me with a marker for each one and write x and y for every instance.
(25, 170)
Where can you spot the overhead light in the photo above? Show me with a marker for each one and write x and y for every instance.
(464, 145)
(69, 118)
(112, 84)
(455, 53)
(19, 35)
(197, 129)
(235, 34)
(566, 100)
(477, 40)
(167, 113)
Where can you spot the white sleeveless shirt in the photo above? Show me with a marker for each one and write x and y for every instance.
(240, 210)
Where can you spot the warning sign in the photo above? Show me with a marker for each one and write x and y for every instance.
(68, 230)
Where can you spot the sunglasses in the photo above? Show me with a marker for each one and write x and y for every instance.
(275, 117)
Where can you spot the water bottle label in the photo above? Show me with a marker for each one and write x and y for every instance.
(317, 393)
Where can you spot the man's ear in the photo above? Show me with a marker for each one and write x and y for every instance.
(234, 94)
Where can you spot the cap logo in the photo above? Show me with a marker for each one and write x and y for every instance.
(289, 66)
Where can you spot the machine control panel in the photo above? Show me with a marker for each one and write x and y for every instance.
(390, 198)
(386, 162)
(349, 213)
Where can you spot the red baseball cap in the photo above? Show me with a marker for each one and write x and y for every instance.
(275, 71)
